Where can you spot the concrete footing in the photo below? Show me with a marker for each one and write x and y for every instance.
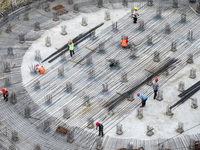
(169, 111)
(150, 131)
(119, 129)
(192, 73)
(181, 86)
(84, 21)
(107, 15)
(99, 143)
(70, 136)
(48, 41)
(90, 123)
(139, 113)
(180, 128)
(194, 103)
(63, 30)
(190, 59)
(160, 95)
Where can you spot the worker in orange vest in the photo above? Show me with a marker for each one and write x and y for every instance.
(125, 42)
(5, 94)
(40, 69)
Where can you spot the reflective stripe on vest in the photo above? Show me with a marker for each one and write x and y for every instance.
(71, 47)
(42, 70)
(124, 43)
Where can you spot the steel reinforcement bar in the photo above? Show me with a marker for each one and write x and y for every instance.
(190, 89)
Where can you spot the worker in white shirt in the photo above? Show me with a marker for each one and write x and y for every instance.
(135, 15)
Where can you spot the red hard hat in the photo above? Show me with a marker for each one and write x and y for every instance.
(3, 90)
(138, 94)
(97, 124)
(156, 79)
(127, 37)
(37, 65)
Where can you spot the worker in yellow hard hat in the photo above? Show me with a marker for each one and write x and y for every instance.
(135, 15)
(71, 47)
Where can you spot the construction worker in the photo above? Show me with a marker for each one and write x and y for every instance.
(155, 88)
(113, 63)
(125, 42)
(40, 69)
(5, 94)
(143, 98)
(71, 48)
(135, 15)
(100, 128)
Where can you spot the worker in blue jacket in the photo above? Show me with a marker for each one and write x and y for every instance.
(143, 98)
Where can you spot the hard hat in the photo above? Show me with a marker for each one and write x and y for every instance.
(156, 79)
(127, 37)
(138, 94)
(3, 90)
(97, 124)
(37, 65)
(70, 41)
(136, 8)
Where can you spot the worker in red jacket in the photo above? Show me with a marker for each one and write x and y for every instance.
(5, 94)
(100, 128)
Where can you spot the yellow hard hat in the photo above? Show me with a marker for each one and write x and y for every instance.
(136, 8)
(70, 41)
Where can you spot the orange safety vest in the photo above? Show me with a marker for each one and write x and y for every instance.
(5, 91)
(124, 43)
(42, 70)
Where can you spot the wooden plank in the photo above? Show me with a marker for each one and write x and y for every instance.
(149, 70)
(58, 49)
(91, 49)
(75, 61)
(119, 93)
(61, 129)
(193, 9)
(3, 78)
